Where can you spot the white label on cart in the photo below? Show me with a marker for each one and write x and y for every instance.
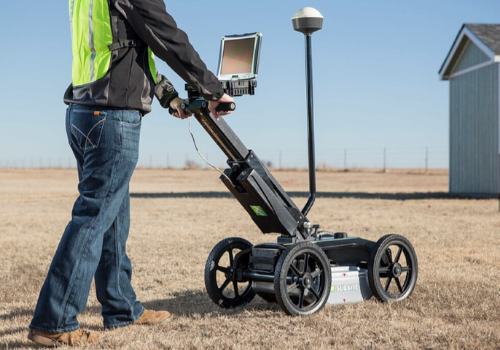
(344, 288)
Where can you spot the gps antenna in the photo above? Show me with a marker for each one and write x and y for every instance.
(308, 20)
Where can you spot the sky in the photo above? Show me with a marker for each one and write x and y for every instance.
(377, 93)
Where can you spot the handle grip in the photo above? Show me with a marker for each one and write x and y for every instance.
(223, 106)
(226, 106)
(183, 106)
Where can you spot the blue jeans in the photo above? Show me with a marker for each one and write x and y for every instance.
(105, 143)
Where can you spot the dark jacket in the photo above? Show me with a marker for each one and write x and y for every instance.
(137, 25)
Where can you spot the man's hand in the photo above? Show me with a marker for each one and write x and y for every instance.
(213, 104)
(176, 104)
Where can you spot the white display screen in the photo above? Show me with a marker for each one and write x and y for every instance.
(239, 57)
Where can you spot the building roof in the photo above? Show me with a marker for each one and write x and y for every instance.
(484, 36)
(488, 34)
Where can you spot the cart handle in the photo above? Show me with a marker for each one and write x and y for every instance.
(223, 106)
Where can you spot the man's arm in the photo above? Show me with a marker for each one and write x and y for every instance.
(164, 90)
(168, 97)
(150, 20)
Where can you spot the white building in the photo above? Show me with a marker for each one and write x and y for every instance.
(472, 68)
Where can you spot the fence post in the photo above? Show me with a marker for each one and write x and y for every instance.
(345, 159)
(385, 167)
(426, 159)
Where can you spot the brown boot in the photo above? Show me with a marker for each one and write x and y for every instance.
(77, 337)
(150, 317)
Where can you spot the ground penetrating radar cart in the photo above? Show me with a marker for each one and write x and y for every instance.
(306, 268)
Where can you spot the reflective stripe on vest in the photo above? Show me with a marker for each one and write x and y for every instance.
(92, 36)
(152, 65)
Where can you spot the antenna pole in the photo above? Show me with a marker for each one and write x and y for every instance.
(310, 128)
(307, 21)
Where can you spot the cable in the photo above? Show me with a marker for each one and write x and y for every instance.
(201, 155)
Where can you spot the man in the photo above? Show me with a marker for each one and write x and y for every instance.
(113, 83)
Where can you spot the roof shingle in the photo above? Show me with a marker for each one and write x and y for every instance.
(488, 34)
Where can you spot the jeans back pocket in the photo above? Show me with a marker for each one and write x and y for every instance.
(86, 128)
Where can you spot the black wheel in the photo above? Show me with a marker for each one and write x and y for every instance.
(219, 281)
(393, 268)
(302, 279)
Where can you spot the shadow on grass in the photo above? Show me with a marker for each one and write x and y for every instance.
(23, 345)
(195, 302)
(298, 194)
(198, 303)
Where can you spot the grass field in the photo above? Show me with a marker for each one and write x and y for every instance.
(177, 218)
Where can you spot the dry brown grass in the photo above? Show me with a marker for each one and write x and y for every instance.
(175, 224)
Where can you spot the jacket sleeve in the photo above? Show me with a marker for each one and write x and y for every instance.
(152, 23)
(164, 91)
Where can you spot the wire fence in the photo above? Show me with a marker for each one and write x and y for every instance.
(345, 158)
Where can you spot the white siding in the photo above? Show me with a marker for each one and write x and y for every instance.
(471, 57)
(474, 131)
